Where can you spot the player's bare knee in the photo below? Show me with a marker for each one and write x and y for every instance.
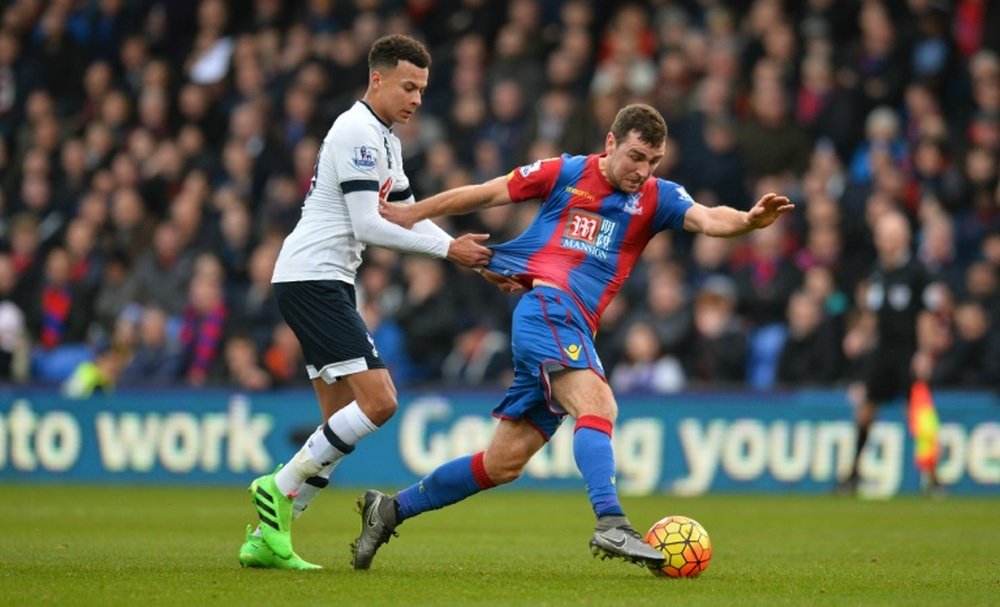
(380, 409)
(608, 411)
(507, 476)
(387, 407)
(505, 472)
(505, 468)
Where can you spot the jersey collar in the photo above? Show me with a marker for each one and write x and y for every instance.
(382, 122)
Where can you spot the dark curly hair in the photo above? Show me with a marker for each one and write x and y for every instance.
(644, 120)
(390, 50)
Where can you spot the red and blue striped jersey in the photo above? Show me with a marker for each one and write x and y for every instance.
(587, 235)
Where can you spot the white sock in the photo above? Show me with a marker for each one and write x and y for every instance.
(296, 471)
(351, 424)
(307, 491)
(327, 445)
(310, 489)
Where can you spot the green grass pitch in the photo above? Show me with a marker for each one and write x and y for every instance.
(177, 546)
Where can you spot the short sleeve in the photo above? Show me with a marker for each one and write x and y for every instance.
(672, 203)
(533, 181)
(355, 156)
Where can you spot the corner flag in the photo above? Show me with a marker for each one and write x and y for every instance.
(923, 426)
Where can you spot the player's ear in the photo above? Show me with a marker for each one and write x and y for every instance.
(609, 143)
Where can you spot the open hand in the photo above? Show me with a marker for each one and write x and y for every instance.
(768, 209)
(467, 250)
(396, 212)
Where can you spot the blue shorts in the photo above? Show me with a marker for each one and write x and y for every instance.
(550, 333)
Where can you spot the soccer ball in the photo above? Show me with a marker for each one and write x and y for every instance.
(684, 542)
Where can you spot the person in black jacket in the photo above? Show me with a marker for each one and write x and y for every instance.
(811, 354)
(894, 296)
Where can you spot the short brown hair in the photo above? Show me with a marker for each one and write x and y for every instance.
(388, 51)
(644, 120)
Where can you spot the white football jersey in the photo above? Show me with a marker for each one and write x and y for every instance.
(359, 152)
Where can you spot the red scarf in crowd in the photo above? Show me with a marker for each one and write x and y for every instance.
(56, 303)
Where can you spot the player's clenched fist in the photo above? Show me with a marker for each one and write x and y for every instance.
(467, 250)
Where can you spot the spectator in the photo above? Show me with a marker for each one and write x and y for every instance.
(788, 145)
(876, 64)
(644, 368)
(506, 127)
(715, 165)
(115, 292)
(73, 173)
(131, 225)
(427, 316)
(255, 309)
(811, 352)
(64, 312)
(668, 309)
(25, 256)
(86, 260)
(236, 244)
(709, 257)
(155, 360)
(283, 357)
(243, 368)
(481, 356)
(768, 279)
(57, 57)
(883, 144)
(13, 81)
(97, 376)
(162, 273)
(968, 361)
(718, 356)
(202, 325)
(938, 253)
(14, 343)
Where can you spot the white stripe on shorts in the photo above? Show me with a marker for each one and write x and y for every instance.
(332, 371)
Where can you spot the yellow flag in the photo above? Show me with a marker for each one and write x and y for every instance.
(923, 426)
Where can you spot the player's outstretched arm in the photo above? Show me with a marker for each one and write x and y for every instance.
(727, 222)
(456, 201)
(370, 228)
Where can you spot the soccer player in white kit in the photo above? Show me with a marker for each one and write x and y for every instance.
(359, 162)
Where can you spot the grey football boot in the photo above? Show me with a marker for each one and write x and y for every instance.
(378, 524)
(614, 537)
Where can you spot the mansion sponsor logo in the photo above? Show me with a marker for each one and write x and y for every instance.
(589, 233)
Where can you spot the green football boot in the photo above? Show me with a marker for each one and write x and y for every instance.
(274, 509)
(255, 553)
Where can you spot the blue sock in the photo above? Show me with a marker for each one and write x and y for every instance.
(596, 461)
(447, 484)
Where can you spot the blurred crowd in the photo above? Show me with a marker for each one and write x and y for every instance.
(155, 153)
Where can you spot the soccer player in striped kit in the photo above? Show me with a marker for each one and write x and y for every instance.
(597, 215)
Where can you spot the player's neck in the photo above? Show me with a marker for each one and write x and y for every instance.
(602, 165)
(373, 106)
